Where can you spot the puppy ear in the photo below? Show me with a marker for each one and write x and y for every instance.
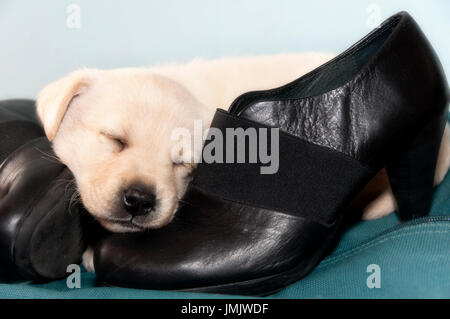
(54, 99)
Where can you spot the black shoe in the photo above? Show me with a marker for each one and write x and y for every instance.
(40, 226)
(381, 103)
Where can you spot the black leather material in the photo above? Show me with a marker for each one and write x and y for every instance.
(211, 242)
(312, 181)
(19, 110)
(40, 231)
(391, 89)
(18, 125)
(382, 102)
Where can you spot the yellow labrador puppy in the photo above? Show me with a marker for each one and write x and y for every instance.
(113, 129)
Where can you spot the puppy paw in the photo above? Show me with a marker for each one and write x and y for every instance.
(88, 259)
(383, 205)
(443, 163)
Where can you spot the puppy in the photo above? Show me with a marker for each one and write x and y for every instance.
(113, 128)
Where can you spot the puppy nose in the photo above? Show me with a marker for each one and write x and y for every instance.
(138, 202)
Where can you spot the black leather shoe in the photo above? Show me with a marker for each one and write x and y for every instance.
(40, 226)
(381, 103)
(40, 231)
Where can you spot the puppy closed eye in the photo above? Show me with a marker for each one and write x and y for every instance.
(185, 168)
(119, 142)
(181, 164)
(179, 161)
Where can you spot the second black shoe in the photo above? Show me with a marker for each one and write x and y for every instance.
(41, 231)
(381, 103)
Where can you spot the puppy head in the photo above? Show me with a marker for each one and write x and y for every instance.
(113, 130)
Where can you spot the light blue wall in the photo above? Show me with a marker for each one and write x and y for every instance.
(37, 46)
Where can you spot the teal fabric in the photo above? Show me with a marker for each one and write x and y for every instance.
(414, 261)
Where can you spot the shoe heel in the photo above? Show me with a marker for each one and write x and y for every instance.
(412, 173)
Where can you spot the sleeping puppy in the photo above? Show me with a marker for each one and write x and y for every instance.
(113, 129)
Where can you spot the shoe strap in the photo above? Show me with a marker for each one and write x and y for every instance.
(311, 181)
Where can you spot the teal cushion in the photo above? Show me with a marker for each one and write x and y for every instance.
(413, 260)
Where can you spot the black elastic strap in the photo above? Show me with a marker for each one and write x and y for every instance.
(311, 182)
